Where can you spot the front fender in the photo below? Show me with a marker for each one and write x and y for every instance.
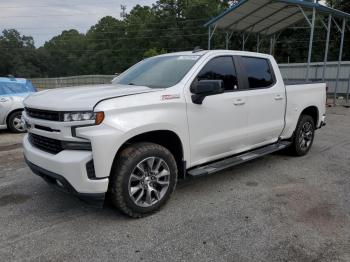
(106, 140)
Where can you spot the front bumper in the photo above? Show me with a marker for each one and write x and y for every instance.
(59, 182)
(66, 169)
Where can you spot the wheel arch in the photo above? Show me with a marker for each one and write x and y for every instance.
(166, 138)
(313, 112)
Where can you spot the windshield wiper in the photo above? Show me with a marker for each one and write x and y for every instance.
(133, 84)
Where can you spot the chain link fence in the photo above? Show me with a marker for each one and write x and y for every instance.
(49, 83)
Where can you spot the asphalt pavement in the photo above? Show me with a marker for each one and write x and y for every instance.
(277, 208)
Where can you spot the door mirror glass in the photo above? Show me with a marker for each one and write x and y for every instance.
(204, 88)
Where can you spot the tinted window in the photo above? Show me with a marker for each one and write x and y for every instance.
(220, 68)
(258, 72)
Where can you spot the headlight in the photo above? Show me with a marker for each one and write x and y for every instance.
(84, 116)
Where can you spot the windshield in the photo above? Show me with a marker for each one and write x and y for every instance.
(9, 88)
(158, 72)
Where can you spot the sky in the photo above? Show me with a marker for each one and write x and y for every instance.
(44, 19)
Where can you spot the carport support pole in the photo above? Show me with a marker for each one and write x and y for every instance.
(258, 43)
(311, 43)
(209, 37)
(327, 47)
(339, 61)
(348, 91)
(271, 43)
(227, 40)
(243, 43)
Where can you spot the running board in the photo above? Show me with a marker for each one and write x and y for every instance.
(238, 159)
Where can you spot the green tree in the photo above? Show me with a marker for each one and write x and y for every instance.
(343, 5)
(153, 52)
(65, 52)
(18, 55)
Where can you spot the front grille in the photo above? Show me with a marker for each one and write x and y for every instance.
(55, 146)
(43, 114)
(46, 144)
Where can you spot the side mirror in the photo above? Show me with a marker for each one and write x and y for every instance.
(204, 88)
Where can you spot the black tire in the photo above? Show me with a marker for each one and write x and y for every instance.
(303, 139)
(13, 124)
(126, 164)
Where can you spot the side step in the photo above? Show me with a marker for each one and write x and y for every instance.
(236, 160)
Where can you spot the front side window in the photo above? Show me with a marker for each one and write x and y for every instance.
(220, 68)
(158, 72)
(258, 72)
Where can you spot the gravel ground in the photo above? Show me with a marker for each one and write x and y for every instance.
(277, 208)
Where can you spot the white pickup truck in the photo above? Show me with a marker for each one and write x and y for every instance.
(179, 114)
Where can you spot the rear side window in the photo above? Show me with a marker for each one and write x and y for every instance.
(220, 68)
(258, 71)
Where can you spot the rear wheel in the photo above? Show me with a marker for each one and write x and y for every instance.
(303, 136)
(143, 179)
(15, 123)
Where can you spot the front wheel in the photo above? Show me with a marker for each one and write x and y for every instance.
(143, 179)
(303, 136)
(15, 123)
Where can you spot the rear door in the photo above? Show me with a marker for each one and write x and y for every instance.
(265, 100)
(217, 126)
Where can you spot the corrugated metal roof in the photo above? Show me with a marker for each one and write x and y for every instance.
(268, 16)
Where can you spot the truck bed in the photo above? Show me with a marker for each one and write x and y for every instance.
(300, 96)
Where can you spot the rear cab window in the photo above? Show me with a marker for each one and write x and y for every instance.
(258, 71)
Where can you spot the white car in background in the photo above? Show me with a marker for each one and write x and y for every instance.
(12, 93)
(180, 114)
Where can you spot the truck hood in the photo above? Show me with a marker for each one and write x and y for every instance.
(81, 97)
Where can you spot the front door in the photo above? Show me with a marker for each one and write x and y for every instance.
(217, 126)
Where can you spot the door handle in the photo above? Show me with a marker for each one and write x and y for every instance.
(3, 100)
(278, 97)
(239, 102)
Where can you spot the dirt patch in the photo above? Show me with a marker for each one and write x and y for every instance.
(11, 160)
(323, 216)
(252, 184)
(13, 199)
(10, 147)
(292, 250)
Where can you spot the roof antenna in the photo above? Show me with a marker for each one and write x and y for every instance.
(197, 49)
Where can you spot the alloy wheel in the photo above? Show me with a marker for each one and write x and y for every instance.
(18, 123)
(306, 136)
(149, 181)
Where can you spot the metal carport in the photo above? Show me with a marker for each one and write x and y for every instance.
(267, 18)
